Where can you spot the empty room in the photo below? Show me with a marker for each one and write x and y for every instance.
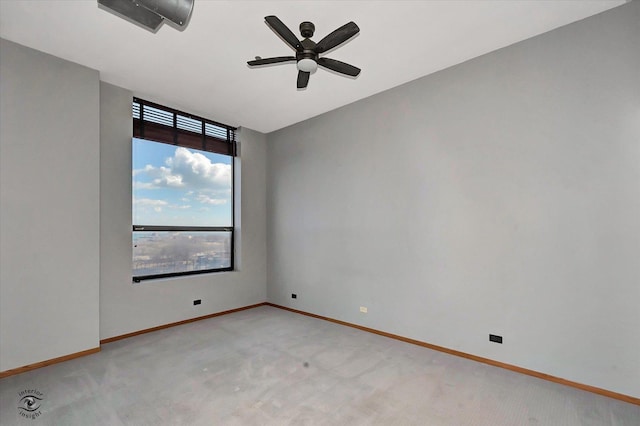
(320, 212)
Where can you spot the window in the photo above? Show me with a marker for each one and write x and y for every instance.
(183, 220)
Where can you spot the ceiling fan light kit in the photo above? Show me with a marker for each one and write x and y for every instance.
(307, 52)
(307, 65)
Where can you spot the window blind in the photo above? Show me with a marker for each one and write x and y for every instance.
(163, 124)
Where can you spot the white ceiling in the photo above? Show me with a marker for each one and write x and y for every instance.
(203, 69)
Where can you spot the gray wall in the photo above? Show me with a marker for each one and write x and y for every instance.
(499, 196)
(49, 207)
(65, 218)
(126, 307)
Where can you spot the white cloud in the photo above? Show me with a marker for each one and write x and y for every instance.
(198, 171)
(149, 202)
(186, 168)
(187, 182)
(156, 205)
(205, 199)
(164, 176)
(144, 185)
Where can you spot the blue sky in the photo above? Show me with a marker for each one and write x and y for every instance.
(179, 186)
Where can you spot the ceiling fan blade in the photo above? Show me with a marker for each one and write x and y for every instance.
(284, 32)
(303, 79)
(337, 37)
(338, 66)
(267, 61)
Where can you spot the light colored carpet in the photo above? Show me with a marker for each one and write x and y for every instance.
(266, 366)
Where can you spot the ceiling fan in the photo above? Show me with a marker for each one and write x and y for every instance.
(308, 52)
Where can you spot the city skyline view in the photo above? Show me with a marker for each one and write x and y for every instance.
(170, 252)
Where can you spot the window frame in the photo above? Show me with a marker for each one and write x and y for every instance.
(210, 143)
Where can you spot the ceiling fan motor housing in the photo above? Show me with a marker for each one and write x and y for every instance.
(308, 58)
(307, 29)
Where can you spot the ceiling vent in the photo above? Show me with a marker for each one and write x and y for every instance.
(150, 14)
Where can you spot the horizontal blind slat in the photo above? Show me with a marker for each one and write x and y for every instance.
(164, 124)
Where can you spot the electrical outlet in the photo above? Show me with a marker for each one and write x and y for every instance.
(294, 296)
(197, 302)
(495, 338)
(363, 309)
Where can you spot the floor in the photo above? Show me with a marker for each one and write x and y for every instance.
(266, 366)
